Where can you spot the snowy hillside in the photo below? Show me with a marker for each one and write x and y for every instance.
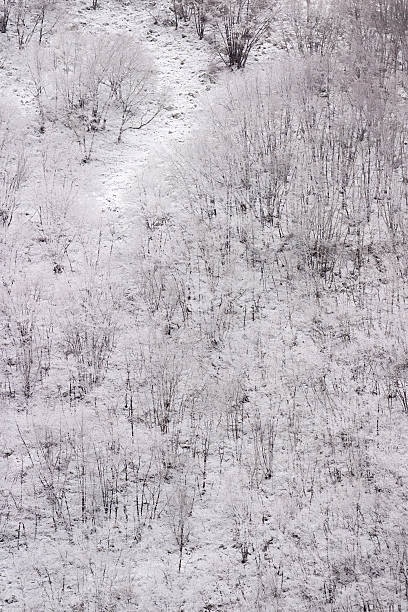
(203, 305)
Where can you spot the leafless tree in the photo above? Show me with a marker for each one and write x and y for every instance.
(56, 218)
(34, 17)
(83, 96)
(201, 14)
(242, 25)
(89, 335)
(30, 335)
(5, 8)
(181, 507)
(13, 173)
(131, 79)
(314, 27)
(181, 9)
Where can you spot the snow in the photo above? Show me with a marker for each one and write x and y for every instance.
(204, 385)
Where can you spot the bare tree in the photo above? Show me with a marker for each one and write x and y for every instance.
(181, 508)
(36, 65)
(56, 217)
(200, 10)
(83, 96)
(242, 25)
(13, 173)
(314, 28)
(131, 78)
(181, 9)
(30, 335)
(95, 80)
(5, 8)
(89, 335)
(34, 17)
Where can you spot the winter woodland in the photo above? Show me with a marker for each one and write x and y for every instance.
(203, 305)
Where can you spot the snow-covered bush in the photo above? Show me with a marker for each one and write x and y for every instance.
(29, 332)
(241, 25)
(13, 169)
(89, 335)
(89, 83)
(131, 79)
(5, 8)
(181, 10)
(313, 27)
(181, 505)
(34, 17)
(57, 218)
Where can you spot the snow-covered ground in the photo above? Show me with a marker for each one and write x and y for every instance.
(203, 379)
